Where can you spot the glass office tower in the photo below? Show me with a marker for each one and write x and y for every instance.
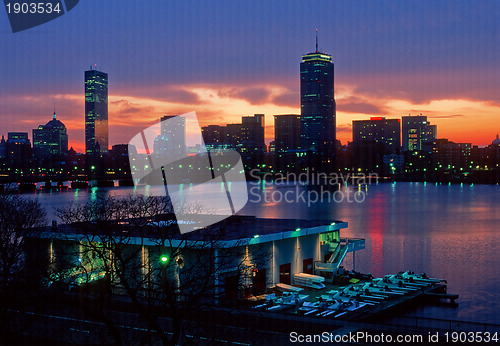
(317, 103)
(96, 112)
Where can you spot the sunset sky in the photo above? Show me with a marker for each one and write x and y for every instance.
(227, 58)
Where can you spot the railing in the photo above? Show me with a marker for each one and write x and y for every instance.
(323, 267)
(340, 256)
(335, 251)
(353, 244)
(340, 250)
(332, 247)
(334, 262)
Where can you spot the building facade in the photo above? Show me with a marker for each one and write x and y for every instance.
(287, 143)
(96, 112)
(378, 130)
(252, 133)
(215, 137)
(172, 140)
(376, 145)
(286, 132)
(418, 133)
(317, 105)
(18, 151)
(50, 139)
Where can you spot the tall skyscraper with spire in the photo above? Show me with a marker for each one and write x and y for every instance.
(96, 111)
(317, 104)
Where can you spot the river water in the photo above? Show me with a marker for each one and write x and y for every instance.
(447, 231)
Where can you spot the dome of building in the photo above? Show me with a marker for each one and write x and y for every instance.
(496, 141)
(54, 123)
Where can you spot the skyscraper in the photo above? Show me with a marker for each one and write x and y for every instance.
(376, 145)
(317, 103)
(378, 130)
(252, 133)
(418, 133)
(215, 136)
(172, 140)
(286, 143)
(96, 112)
(286, 132)
(50, 139)
(18, 150)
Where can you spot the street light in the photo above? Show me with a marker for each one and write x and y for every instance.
(164, 259)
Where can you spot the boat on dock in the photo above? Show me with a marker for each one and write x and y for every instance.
(412, 277)
(288, 288)
(354, 300)
(309, 280)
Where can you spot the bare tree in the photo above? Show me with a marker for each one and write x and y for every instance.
(133, 244)
(18, 217)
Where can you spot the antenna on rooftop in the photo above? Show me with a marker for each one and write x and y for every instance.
(316, 40)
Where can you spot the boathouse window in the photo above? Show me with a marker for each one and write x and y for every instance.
(330, 237)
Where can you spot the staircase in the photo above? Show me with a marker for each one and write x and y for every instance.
(335, 260)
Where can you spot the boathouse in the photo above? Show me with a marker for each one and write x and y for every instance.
(271, 251)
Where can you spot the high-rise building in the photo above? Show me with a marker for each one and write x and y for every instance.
(172, 140)
(2, 148)
(18, 138)
(233, 136)
(252, 133)
(247, 138)
(286, 143)
(223, 137)
(317, 103)
(452, 157)
(50, 139)
(418, 133)
(17, 149)
(215, 136)
(376, 145)
(378, 130)
(286, 132)
(96, 111)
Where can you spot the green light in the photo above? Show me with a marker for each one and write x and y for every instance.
(297, 229)
(92, 168)
(164, 259)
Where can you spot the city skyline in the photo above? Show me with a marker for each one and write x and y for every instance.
(268, 140)
(436, 59)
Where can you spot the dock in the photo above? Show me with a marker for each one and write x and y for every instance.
(361, 300)
(370, 305)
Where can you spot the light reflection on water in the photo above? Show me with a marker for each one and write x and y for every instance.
(446, 231)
